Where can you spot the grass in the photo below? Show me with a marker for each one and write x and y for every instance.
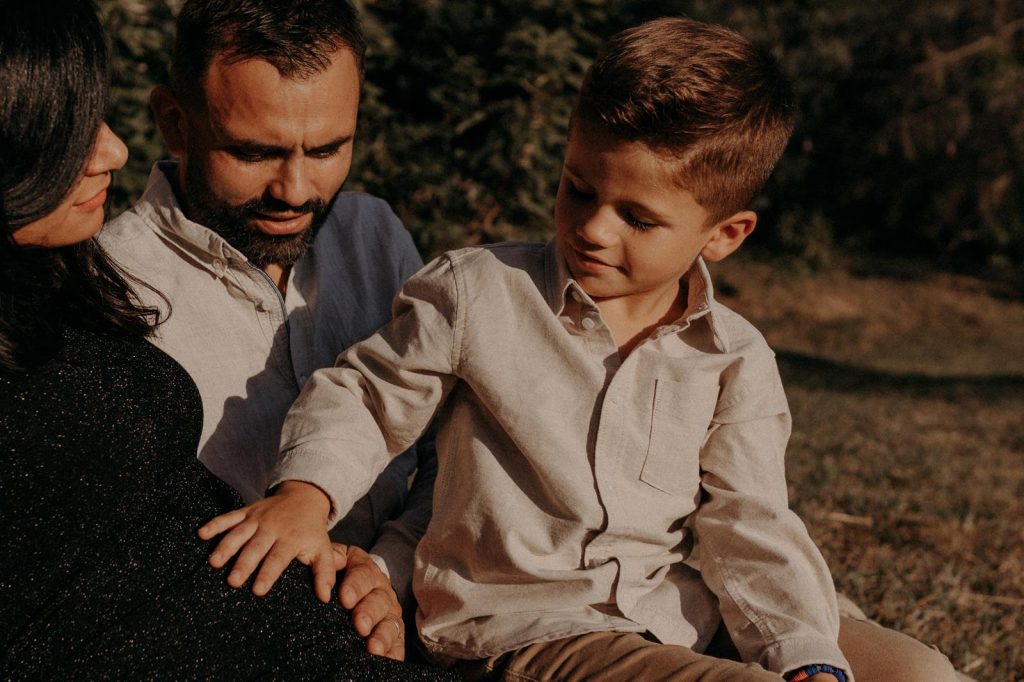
(907, 455)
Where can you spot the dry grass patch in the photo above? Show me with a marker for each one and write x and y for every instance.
(907, 456)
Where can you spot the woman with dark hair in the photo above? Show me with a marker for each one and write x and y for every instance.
(100, 490)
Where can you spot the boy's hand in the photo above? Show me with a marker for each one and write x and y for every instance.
(367, 592)
(291, 524)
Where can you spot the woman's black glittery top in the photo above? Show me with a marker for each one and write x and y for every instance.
(101, 573)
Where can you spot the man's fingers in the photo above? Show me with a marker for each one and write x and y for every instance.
(324, 575)
(219, 524)
(371, 610)
(231, 543)
(277, 559)
(388, 639)
(360, 579)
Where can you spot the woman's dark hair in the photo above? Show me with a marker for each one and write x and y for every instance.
(53, 89)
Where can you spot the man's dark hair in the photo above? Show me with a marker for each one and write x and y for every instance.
(53, 66)
(298, 37)
(702, 96)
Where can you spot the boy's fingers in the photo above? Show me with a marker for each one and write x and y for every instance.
(339, 553)
(388, 639)
(324, 574)
(276, 560)
(219, 524)
(231, 543)
(249, 558)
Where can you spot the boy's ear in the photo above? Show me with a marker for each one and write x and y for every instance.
(728, 235)
(170, 119)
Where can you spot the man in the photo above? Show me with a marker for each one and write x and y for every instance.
(265, 270)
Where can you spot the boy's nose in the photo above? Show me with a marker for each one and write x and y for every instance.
(598, 229)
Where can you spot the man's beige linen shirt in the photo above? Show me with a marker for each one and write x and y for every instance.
(250, 349)
(576, 492)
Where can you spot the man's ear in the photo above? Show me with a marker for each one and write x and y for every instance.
(728, 235)
(170, 118)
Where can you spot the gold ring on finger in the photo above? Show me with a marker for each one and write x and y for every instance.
(394, 621)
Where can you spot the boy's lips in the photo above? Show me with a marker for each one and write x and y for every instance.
(590, 263)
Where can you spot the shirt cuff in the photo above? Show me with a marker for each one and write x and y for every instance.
(382, 565)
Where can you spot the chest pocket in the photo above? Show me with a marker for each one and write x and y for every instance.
(679, 424)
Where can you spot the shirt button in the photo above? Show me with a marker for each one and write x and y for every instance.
(576, 296)
(219, 266)
(588, 323)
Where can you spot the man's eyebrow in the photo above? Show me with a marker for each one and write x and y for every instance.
(330, 146)
(254, 147)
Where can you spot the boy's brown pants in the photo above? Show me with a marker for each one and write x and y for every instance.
(610, 656)
(876, 653)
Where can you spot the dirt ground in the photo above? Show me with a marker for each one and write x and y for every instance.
(907, 455)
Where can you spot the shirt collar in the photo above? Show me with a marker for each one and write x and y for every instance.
(160, 204)
(700, 303)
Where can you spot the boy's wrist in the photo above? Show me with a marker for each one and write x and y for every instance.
(312, 494)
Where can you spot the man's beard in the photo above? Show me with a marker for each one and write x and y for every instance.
(234, 223)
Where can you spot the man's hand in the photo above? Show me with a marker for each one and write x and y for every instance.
(367, 592)
(291, 524)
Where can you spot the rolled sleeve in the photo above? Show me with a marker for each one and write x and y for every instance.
(351, 419)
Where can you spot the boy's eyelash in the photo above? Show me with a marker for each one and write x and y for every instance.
(576, 191)
(638, 225)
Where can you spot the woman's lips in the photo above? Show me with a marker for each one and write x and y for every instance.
(94, 203)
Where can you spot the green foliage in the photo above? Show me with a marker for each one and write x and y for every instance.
(142, 34)
(910, 140)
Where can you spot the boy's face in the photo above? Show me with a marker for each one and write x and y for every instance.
(624, 226)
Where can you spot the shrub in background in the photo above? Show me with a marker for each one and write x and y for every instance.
(910, 140)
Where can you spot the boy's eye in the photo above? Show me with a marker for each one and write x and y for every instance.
(636, 224)
(575, 192)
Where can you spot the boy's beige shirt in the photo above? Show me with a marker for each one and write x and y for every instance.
(576, 492)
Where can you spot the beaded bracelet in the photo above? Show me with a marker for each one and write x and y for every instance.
(811, 670)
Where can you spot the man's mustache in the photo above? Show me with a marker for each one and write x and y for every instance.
(267, 205)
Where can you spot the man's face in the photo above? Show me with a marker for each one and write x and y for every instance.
(264, 155)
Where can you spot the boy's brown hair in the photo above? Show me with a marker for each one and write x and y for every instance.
(698, 94)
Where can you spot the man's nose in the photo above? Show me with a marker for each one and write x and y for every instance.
(291, 184)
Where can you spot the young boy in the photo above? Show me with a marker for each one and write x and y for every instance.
(611, 485)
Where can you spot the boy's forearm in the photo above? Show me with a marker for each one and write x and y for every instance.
(350, 420)
(398, 539)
